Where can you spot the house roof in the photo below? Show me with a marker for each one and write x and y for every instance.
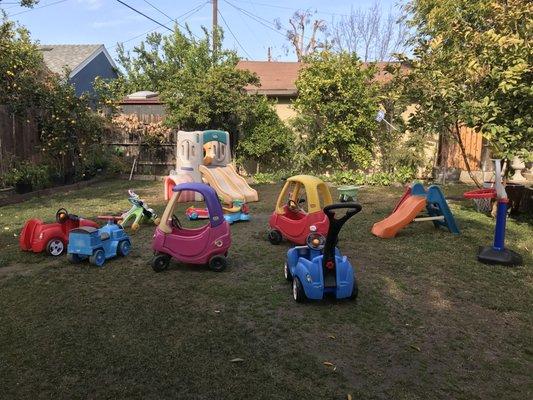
(73, 57)
(279, 78)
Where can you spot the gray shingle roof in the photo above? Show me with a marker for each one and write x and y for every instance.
(57, 57)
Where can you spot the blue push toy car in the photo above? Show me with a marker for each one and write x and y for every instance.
(98, 244)
(319, 268)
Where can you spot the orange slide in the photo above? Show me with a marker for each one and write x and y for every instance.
(402, 216)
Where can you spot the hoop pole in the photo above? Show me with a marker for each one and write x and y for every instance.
(499, 230)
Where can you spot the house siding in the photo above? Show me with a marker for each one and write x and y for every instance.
(99, 66)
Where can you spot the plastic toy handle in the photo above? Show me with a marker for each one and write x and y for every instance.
(353, 208)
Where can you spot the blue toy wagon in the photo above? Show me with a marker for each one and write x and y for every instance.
(319, 268)
(98, 244)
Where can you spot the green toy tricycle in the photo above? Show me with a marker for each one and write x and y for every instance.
(138, 213)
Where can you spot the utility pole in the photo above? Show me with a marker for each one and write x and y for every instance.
(214, 31)
(269, 54)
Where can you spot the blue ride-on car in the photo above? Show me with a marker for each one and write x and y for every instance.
(319, 268)
(98, 244)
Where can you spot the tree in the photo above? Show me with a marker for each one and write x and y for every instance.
(337, 104)
(472, 65)
(266, 139)
(200, 87)
(300, 23)
(370, 33)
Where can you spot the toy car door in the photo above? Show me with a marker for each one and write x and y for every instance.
(189, 242)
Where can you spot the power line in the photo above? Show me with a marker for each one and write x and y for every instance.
(144, 15)
(190, 13)
(159, 10)
(37, 8)
(234, 37)
(295, 9)
(255, 18)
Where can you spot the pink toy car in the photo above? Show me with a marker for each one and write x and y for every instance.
(206, 245)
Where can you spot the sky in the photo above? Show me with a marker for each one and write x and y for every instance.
(108, 22)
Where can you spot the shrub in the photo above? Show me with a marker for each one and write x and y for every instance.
(27, 173)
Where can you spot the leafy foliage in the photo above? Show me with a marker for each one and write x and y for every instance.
(201, 89)
(67, 125)
(337, 103)
(472, 65)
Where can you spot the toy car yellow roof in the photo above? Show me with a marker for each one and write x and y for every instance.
(315, 188)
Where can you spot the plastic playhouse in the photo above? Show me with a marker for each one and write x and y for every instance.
(98, 245)
(37, 236)
(497, 253)
(319, 268)
(204, 156)
(413, 201)
(290, 220)
(208, 244)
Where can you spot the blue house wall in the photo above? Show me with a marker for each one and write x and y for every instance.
(99, 66)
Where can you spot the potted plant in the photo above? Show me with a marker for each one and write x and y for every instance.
(26, 176)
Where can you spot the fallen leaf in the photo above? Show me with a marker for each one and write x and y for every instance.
(348, 397)
(329, 364)
(236, 360)
(332, 337)
(217, 311)
(415, 347)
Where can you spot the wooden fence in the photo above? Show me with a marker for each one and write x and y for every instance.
(151, 160)
(19, 138)
(450, 152)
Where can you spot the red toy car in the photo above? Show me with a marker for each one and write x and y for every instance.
(37, 236)
(289, 220)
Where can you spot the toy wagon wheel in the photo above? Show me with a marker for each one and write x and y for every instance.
(274, 236)
(160, 262)
(287, 272)
(55, 247)
(73, 258)
(124, 248)
(98, 258)
(218, 263)
(298, 291)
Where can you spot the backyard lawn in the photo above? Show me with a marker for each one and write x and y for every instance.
(429, 322)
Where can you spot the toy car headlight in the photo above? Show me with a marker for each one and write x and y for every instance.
(308, 278)
(41, 235)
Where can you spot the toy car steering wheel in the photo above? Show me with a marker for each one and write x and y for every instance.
(292, 205)
(315, 241)
(62, 215)
(175, 222)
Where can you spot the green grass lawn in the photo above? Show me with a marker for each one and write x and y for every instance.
(429, 322)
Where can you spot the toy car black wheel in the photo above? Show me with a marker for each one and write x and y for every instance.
(355, 290)
(218, 263)
(55, 247)
(298, 292)
(98, 258)
(74, 258)
(274, 236)
(160, 262)
(124, 248)
(287, 272)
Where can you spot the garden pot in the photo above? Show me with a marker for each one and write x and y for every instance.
(23, 187)
(518, 165)
(526, 202)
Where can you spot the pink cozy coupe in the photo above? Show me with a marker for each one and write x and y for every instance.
(206, 245)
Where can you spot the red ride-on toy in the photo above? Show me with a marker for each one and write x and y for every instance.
(37, 236)
(290, 220)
